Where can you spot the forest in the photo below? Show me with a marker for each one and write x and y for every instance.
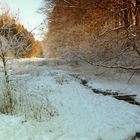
(105, 32)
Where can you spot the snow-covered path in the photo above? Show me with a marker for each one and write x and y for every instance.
(81, 114)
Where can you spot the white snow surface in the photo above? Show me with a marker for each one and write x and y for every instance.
(80, 114)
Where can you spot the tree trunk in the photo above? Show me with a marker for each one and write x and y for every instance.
(125, 15)
(138, 13)
(5, 70)
(7, 94)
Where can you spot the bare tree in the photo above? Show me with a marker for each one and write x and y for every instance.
(13, 43)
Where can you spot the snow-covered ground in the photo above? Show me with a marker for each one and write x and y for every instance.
(56, 106)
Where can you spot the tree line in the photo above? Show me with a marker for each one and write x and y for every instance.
(16, 41)
(105, 31)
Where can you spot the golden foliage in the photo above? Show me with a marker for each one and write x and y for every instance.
(9, 26)
(102, 28)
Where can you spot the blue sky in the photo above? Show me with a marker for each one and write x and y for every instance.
(28, 12)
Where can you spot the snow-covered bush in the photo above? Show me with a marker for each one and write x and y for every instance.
(69, 54)
(25, 102)
(7, 100)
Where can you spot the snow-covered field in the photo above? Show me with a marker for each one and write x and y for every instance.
(56, 106)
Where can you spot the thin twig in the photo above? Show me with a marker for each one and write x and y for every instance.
(131, 76)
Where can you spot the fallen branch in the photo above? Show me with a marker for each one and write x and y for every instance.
(119, 67)
(120, 96)
(112, 67)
